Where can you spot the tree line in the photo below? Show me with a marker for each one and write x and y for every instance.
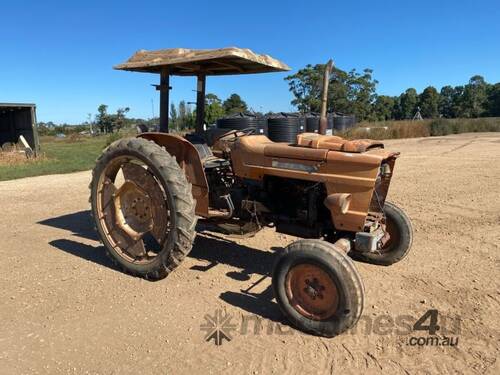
(183, 116)
(350, 92)
(355, 93)
(103, 123)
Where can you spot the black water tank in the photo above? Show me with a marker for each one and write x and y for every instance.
(312, 124)
(329, 126)
(283, 127)
(342, 122)
(244, 120)
(302, 122)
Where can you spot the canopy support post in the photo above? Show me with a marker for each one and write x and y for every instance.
(200, 102)
(164, 93)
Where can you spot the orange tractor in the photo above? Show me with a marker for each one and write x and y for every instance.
(148, 192)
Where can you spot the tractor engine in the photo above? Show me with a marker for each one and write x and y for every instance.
(293, 206)
(298, 206)
(220, 179)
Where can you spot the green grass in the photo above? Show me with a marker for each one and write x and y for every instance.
(59, 156)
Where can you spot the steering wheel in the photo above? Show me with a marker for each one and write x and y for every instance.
(237, 133)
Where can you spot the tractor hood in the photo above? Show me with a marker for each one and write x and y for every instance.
(334, 143)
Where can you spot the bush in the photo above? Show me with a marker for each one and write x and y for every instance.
(457, 126)
(389, 130)
(440, 127)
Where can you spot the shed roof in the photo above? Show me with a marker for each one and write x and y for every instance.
(16, 105)
(189, 62)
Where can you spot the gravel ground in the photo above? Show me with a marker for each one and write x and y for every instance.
(65, 309)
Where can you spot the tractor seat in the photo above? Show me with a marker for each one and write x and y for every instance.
(207, 158)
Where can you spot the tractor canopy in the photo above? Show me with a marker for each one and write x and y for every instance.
(192, 62)
(199, 63)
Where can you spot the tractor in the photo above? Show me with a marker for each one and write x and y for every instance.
(148, 192)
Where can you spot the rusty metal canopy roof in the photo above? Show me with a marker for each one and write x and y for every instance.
(191, 62)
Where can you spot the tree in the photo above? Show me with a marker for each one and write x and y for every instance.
(457, 100)
(234, 104)
(351, 92)
(182, 115)
(305, 86)
(185, 117)
(384, 108)
(118, 120)
(108, 123)
(361, 93)
(408, 104)
(190, 118)
(173, 116)
(102, 119)
(445, 107)
(494, 100)
(429, 102)
(475, 97)
(339, 98)
(213, 109)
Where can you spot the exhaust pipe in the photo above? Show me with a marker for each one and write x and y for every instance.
(323, 122)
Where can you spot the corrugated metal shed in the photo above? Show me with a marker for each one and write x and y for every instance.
(18, 119)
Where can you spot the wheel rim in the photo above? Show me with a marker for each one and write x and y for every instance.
(394, 235)
(132, 209)
(311, 291)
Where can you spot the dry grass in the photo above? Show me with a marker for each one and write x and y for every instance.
(16, 158)
(423, 128)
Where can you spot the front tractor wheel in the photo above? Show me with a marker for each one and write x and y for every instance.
(143, 208)
(318, 288)
(398, 246)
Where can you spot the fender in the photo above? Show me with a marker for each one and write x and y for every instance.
(189, 160)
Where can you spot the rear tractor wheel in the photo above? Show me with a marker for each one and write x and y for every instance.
(318, 288)
(143, 208)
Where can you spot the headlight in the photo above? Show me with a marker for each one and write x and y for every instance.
(385, 170)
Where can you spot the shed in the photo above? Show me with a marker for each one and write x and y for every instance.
(18, 119)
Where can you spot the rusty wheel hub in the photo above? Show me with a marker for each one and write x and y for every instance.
(134, 214)
(133, 210)
(312, 291)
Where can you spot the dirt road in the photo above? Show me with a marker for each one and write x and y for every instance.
(65, 309)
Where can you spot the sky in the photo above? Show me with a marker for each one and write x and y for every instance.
(60, 54)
